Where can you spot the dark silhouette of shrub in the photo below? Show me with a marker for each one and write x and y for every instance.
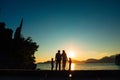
(117, 59)
(17, 52)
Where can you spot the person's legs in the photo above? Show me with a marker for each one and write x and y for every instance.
(56, 64)
(69, 66)
(52, 67)
(59, 65)
(64, 64)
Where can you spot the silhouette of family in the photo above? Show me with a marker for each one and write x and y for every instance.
(60, 59)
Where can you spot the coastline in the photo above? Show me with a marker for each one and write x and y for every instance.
(59, 75)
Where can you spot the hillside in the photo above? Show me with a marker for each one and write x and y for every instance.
(73, 60)
(106, 59)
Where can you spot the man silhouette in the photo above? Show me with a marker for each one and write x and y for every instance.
(58, 60)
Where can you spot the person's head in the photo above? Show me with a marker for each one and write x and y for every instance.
(52, 59)
(63, 51)
(69, 58)
(58, 51)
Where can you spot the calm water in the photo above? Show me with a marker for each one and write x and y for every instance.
(84, 66)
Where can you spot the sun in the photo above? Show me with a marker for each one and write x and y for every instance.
(71, 54)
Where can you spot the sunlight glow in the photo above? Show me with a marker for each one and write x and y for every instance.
(71, 54)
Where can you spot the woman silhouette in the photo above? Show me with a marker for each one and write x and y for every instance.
(64, 59)
(58, 60)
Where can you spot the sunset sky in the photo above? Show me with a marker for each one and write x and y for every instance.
(88, 28)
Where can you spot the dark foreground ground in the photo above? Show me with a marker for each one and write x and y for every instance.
(60, 75)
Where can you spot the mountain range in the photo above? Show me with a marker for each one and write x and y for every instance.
(106, 59)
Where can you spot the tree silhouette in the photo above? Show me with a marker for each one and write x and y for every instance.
(117, 59)
(5, 46)
(17, 52)
(24, 53)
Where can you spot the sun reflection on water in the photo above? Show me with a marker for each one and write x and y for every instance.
(72, 66)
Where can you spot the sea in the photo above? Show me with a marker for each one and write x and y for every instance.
(83, 66)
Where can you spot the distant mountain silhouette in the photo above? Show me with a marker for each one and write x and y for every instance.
(76, 61)
(91, 60)
(106, 59)
(73, 60)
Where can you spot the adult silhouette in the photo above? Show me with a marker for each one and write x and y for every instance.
(58, 59)
(64, 59)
